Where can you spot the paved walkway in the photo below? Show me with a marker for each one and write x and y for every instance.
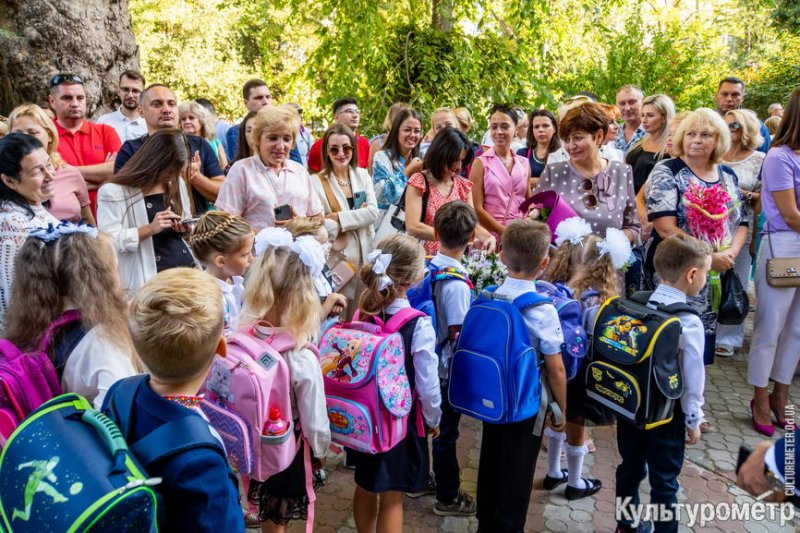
(708, 475)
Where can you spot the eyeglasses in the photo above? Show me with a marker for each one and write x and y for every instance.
(350, 111)
(346, 149)
(734, 126)
(58, 79)
(590, 200)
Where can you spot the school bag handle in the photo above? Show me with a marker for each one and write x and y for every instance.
(107, 429)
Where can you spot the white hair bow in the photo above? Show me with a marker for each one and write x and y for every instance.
(67, 228)
(311, 253)
(617, 246)
(272, 238)
(380, 262)
(572, 229)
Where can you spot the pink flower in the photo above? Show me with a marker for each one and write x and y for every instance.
(707, 213)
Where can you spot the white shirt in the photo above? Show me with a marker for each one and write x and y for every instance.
(126, 128)
(544, 327)
(94, 365)
(426, 364)
(308, 399)
(232, 300)
(691, 345)
(453, 298)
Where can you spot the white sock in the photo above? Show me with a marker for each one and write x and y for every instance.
(555, 441)
(575, 456)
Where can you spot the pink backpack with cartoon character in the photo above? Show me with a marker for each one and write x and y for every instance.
(367, 392)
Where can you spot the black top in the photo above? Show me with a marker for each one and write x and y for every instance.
(168, 246)
(537, 165)
(642, 163)
(351, 203)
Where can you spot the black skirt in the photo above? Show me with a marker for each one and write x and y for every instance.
(282, 497)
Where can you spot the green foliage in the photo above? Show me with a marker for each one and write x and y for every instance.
(775, 78)
(787, 15)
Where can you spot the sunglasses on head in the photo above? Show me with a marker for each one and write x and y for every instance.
(734, 126)
(346, 150)
(58, 79)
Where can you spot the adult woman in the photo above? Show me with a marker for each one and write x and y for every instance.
(542, 141)
(70, 199)
(449, 152)
(776, 331)
(376, 143)
(195, 120)
(442, 117)
(745, 159)
(245, 149)
(609, 149)
(268, 189)
(598, 189)
(500, 178)
(348, 200)
(657, 113)
(698, 145)
(26, 182)
(398, 159)
(142, 206)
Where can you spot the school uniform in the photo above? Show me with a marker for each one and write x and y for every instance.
(452, 299)
(659, 453)
(232, 294)
(405, 467)
(509, 451)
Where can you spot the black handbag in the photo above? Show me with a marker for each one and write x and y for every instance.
(735, 303)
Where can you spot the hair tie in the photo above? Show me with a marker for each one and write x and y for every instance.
(68, 228)
(617, 246)
(48, 234)
(380, 262)
(272, 238)
(572, 229)
(311, 253)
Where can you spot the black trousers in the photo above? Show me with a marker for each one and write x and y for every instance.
(505, 475)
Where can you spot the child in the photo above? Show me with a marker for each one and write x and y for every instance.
(509, 451)
(280, 291)
(454, 228)
(595, 279)
(387, 274)
(569, 248)
(73, 269)
(223, 244)
(176, 326)
(682, 263)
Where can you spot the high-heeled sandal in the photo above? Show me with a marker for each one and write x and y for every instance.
(778, 422)
(764, 429)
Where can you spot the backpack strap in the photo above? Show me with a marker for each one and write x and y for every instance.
(73, 315)
(448, 273)
(530, 299)
(643, 297)
(401, 318)
(185, 433)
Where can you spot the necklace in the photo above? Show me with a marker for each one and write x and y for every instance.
(342, 182)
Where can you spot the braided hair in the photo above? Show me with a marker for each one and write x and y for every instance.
(219, 232)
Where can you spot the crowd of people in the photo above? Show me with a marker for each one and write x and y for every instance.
(168, 229)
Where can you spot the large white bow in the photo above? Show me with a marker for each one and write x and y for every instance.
(380, 262)
(311, 253)
(272, 238)
(572, 229)
(617, 246)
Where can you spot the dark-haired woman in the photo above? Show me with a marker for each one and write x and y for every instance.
(398, 160)
(26, 182)
(142, 208)
(542, 141)
(247, 148)
(449, 152)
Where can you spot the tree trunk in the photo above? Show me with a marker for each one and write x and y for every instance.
(443, 19)
(39, 38)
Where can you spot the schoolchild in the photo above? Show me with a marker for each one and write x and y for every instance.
(381, 479)
(682, 263)
(509, 451)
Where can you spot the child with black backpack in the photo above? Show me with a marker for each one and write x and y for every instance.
(657, 449)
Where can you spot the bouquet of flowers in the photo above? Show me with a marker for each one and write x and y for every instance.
(538, 212)
(484, 269)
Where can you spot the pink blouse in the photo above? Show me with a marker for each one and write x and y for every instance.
(70, 194)
(503, 193)
(460, 191)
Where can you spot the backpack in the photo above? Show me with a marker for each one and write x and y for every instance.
(27, 380)
(634, 369)
(249, 381)
(570, 314)
(367, 390)
(494, 372)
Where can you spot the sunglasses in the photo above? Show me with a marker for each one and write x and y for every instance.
(590, 200)
(734, 126)
(58, 79)
(346, 150)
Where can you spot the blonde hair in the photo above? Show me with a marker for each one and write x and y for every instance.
(300, 226)
(394, 109)
(772, 124)
(75, 269)
(595, 272)
(703, 117)
(202, 115)
(176, 323)
(219, 232)
(270, 118)
(563, 263)
(38, 115)
(751, 128)
(464, 118)
(405, 269)
(666, 108)
(280, 290)
(525, 244)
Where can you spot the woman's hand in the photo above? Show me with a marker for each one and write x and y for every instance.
(722, 261)
(413, 166)
(164, 220)
(487, 243)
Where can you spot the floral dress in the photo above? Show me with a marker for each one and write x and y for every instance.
(460, 191)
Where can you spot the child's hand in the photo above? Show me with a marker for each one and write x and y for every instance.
(551, 421)
(433, 432)
(338, 301)
(693, 435)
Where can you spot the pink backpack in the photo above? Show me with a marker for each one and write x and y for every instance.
(366, 387)
(27, 380)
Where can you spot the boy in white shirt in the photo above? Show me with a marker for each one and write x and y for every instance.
(682, 263)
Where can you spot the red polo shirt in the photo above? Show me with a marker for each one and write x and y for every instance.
(315, 154)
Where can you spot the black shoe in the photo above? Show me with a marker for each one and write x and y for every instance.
(550, 483)
(575, 494)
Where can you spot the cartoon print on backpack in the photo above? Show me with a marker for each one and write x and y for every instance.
(623, 333)
(343, 356)
(219, 381)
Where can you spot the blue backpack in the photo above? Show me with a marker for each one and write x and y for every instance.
(570, 314)
(494, 373)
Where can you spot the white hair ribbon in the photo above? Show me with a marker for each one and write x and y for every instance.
(311, 253)
(617, 246)
(272, 238)
(67, 228)
(572, 229)
(380, 262)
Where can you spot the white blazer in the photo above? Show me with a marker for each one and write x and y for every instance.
(120, 213)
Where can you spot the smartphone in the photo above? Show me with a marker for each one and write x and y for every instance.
(744, 453)
(340, 275)
(359, 197)
(283, 212)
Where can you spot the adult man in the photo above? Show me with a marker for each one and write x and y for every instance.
(776, 110)
(345, 111)
(730, 96)
(220, 126)
(629, 101)
(256, 95)
(127, 120)
(160, 111)
(85, 145)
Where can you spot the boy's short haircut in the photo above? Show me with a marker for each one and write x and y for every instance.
(525, 245)
(455, 223)
(176, 322)
(679, 253)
